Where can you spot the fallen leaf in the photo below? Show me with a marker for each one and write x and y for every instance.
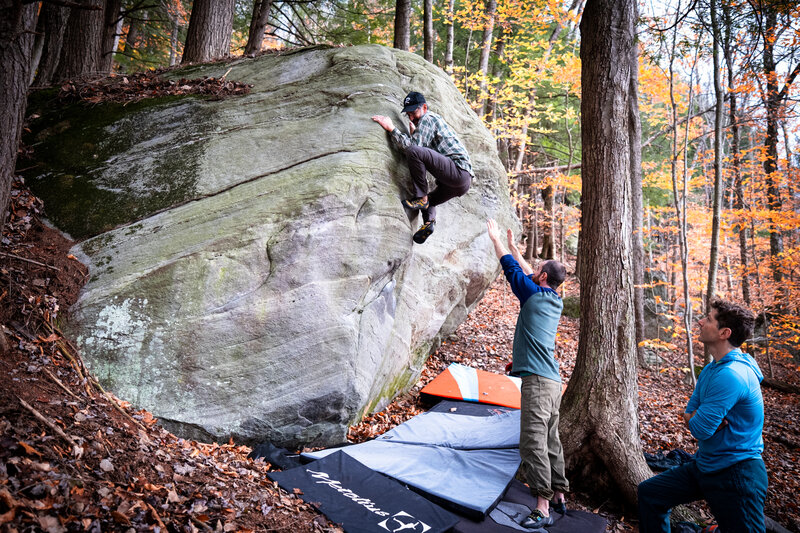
(30, 449)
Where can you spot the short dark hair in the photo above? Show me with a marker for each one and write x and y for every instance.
(735, 317)
(556, 273)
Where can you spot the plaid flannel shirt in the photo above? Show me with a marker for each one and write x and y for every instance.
(434, 133)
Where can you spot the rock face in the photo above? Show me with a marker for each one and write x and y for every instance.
(260, 280)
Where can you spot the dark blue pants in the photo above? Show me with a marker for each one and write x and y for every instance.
(451, 180)
(735, 495)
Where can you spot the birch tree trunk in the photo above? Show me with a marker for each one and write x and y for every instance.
(600, 421)
(402, 25)
(210, 30)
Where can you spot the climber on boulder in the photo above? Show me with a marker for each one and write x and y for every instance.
(432, 147)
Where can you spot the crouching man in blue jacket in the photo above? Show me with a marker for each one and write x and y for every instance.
(726, 415)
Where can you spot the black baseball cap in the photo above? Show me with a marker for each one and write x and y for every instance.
(412, 102)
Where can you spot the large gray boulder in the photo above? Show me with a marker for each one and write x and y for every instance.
(252, 268)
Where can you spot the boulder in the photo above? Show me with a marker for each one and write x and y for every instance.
(252, 273)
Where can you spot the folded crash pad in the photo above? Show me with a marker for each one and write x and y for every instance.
(461, 382)
(463, 462)
(362, 500)
(469, 408)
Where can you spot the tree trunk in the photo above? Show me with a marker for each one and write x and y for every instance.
(173, 42)
(600, 421)
(716, 210)
(54, 20)
(635, 133)
(549, 223)
(486, 48)
(111, 18)
(773, 101)
(532, 250)
(17, 28)
(38, 47)
(210, 29)
(429, 36)
(497, 74)
(736, 154)
(132, 36)
(258, 25)
(81, 50)
(402, 25)
(451, 37)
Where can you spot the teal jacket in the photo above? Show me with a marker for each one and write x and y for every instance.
(535, 334)
(728, 389)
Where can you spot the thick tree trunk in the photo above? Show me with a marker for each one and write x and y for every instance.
(429, 36)
(599, 422)
(54, 19)
(451, 37)
(486, 49)
(111, 18)
(716, 209)
(81, 50)
(637, 210)
(210, 30)
(258, 26)
(17, 28)
(402, 25)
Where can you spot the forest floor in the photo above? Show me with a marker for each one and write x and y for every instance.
(75, 458)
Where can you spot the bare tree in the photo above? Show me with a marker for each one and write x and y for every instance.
(258, 25)
(402, 25)
(210, 30)
(600, 421)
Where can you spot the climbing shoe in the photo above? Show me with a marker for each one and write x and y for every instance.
(424, 232)
(416, 203)
(536, 520)
(558, 507)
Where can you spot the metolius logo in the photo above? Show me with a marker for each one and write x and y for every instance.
(368, 504)
(404, 522)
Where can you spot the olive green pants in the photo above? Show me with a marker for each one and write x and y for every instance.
(539, 444)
